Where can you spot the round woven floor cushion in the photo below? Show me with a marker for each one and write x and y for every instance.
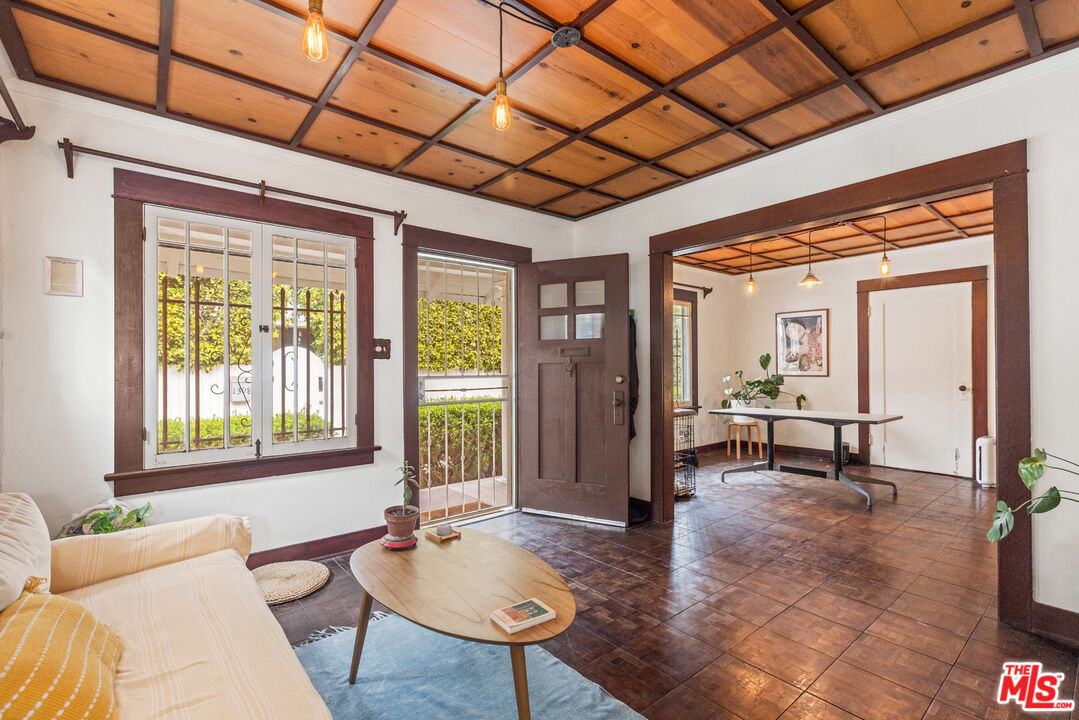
(286, 581)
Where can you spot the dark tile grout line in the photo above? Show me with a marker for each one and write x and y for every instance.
(515, 526)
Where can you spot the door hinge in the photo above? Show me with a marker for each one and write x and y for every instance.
(144, 233)
(144, 434)
(869, 312)
(870, 438)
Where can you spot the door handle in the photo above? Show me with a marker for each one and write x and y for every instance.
(618, 414)
(963, 388)
(617, 402)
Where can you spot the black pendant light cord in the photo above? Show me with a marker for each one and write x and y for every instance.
(514, 12)
(500, 11)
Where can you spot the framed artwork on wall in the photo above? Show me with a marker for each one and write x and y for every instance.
(802, 343)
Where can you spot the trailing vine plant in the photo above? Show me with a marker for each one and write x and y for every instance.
(1031, 470)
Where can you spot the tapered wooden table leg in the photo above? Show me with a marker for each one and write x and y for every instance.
(361, 632)
(520, 681)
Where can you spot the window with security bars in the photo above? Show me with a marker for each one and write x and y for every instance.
(250, 342)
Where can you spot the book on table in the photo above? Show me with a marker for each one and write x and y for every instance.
(523, 615)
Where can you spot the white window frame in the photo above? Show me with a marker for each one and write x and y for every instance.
(262, 350)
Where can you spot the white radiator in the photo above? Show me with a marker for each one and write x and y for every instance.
(985, 461)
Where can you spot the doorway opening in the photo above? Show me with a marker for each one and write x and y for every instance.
(465, 391)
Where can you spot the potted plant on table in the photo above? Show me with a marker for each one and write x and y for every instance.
(401, 519)
(769, 386)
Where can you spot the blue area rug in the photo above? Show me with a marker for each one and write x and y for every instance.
(407, 671)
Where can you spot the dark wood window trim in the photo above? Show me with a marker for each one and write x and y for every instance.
(1004, 170)
(690, 296)
(415, 239)
(131, 191)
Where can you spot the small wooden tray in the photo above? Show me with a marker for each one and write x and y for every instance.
(432, 535)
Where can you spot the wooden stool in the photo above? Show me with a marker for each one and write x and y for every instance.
(735, 428)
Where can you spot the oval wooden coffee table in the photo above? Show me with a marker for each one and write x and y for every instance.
(452, 588)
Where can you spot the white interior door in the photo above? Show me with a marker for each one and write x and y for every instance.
(919, 358)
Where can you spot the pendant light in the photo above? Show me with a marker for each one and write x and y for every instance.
(810, 280)
(751, 284)
(885, 265)
(314, 43)
(501, 116)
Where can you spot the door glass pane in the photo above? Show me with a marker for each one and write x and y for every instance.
(554, 296)
(207, 235)
(553, 327)
(588, 292)
(589, 326)
(283, 247)
(240, 240)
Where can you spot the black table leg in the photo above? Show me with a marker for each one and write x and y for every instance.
(771, 444)
(769, 464)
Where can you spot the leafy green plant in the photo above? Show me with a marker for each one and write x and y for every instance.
(1031, 470)
(460, 442)
(769, 386)
(114, 520)
(407, 478)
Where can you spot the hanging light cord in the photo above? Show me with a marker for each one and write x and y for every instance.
(500, 11)
(751, 257)
(516, 13)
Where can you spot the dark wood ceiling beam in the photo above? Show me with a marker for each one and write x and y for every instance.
(369, 30)
(809, 8)
(1025, 10)
(164, 52)
(298, 17)
(393, 59)
(813, 45)
(725, 54)
(928, 207)
(852, 224)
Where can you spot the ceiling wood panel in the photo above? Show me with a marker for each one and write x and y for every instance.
(345, 16)
(453, 168)
(911, 226)
(817, 113)
(211, 97)
(636, 182)
(523, 140)
(461, 37)
(388, 92)
(665, 91)
(1058, 21)
(136, 20)
(861, 32)
(973, 53)
(526, 189)
(582, 163)
(708, 155)
(580, 203)
(763, 76)
(654, 128)
(665, 38)
(338, 135)
(574, 88)
(268, 48)
(83, 59)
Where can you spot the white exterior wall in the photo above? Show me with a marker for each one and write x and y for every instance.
(1039, 103)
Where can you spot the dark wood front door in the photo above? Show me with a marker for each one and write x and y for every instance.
(573, 360)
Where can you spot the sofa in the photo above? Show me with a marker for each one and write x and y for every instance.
(198, 640)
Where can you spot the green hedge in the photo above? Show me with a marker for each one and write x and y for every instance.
(474, 333)
(458, 424)
(239, 430)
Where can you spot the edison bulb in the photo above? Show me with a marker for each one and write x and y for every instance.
(501, 116)
(751, 285)
(885, 266)
(314, 44)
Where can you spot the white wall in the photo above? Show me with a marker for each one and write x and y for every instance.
(741, 328)
(1040, 103)
(57, 375)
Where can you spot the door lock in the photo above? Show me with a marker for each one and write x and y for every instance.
(619, 379)
(618, 413)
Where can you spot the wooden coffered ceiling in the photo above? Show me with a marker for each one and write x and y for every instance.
(658, 93)
(920, 223)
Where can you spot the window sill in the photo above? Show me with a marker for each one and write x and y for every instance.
(173, 478)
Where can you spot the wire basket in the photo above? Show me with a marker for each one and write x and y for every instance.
(685, 453)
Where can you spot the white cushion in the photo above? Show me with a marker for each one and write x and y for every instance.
(24, 545)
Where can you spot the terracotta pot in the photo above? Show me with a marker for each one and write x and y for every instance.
(401, 525)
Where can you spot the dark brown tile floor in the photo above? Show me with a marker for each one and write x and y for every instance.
(777, 597)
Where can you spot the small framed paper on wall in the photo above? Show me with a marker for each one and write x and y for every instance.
(802, 343)
(63, 276)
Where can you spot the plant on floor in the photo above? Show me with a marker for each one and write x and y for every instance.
(1031, 470)
(114, 520)
(769, 386)
(401, 519)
